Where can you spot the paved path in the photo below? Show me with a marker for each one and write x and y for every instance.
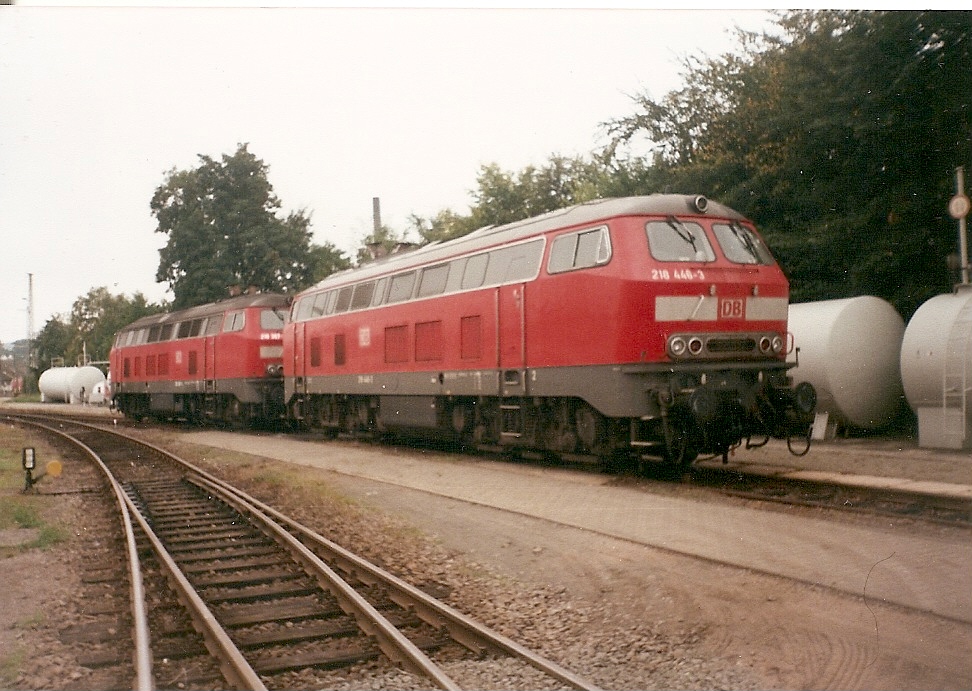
(880, 564)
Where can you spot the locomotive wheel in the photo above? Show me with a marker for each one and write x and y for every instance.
(680, 443)
(558, 433)
(591, 427)
(236, 414)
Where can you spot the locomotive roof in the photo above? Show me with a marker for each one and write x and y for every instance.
(489, 236)
(219, 307)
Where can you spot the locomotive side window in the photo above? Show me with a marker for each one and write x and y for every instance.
(212, 326)
(344, 299)
(475, 271)
(234, 321)
(198, 327)
(517, 263)
(433, 280)
(741, 245)
(673, 240)
(456, 269)
(580, 250)
(154, 333)
(167, 331)
(401, 287)
(363, 292)
(184, 329)
(379, 296)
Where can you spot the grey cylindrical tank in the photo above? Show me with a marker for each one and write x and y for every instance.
(936, 369)
(850, 351)
(64, 384)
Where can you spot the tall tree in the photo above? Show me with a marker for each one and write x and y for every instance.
(506, 196)
(97, 317)
(224, 231)
(90, 328)
(839, 137)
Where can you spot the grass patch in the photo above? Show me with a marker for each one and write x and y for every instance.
(11, 662)
(19, 510)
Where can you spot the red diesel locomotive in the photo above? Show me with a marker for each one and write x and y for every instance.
(645, 326)
(219, 362)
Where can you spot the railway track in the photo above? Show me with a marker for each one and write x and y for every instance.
(858, 499)
(266, 598)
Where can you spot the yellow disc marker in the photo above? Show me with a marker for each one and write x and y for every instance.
(53, 468)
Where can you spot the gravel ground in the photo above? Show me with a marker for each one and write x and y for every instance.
(599, 640)
(619, 614)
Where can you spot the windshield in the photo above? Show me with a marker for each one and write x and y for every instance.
(741, 245)
(673, 240)
(272, 319)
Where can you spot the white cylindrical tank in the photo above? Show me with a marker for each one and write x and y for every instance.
(849, 352)
(64, 384)
(936, 369)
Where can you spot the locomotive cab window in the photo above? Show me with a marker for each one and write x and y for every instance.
(212, 326)
(674, 240)
(317, 304)
(580, 250)
(234, 321)
(302, 310)
(272, 319)
(741, 245)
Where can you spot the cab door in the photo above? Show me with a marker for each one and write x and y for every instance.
(511, 326)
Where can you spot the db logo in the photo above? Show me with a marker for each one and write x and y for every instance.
(731, 308)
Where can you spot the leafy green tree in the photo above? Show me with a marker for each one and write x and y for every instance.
(504, 196)
(224, 231)
(839, 137)
(51, 345)
(90, 329)
(97, 317)
(324, 260)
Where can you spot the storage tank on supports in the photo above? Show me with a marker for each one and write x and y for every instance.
(64, 384)
(849, 351)
(936, 369)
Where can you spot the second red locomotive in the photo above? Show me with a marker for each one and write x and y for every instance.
(216, 362)
(645, 326)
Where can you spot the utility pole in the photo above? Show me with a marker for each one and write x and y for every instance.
(376, 214)
(958, 208)
(30, 320)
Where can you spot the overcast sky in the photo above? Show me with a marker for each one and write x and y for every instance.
(97, 104)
